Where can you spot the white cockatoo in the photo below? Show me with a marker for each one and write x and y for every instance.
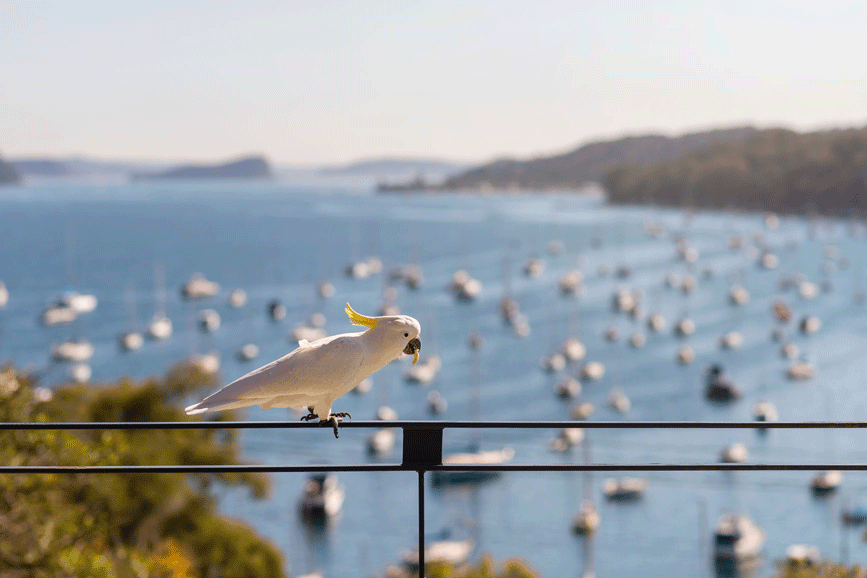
(315, 374)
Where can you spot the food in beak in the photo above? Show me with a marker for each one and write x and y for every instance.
(412, 348)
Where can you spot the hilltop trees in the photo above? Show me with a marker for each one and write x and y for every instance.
(130, 525)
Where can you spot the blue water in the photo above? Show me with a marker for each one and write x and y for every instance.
(278, 240)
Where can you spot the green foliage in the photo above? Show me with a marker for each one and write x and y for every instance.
(512, 568)
(821, 570)
(126, 525)
(773, 170)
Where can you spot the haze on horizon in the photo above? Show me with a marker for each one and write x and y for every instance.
(309, 82)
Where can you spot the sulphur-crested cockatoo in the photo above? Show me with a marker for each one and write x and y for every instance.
(317, 373)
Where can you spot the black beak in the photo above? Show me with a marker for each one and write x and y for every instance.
(413, 346)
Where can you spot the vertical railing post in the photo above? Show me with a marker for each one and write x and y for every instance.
(422, 448)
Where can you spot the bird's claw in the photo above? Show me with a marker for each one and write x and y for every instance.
(309, 416)
(333, 420)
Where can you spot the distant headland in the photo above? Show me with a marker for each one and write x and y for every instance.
(736, 168)
(254, 167)
(9, 175)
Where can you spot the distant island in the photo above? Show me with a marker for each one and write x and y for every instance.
(777, 170)
(255, 167)
(43, 168)
(573, 169)
(9, 175)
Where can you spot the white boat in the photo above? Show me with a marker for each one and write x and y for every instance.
(381, 441)
(568, 438)
(731, 340)
(826, 482)
(534, 267)
(685, 355)
(436, 403)
(247, 352)
(768, 260)
(737, 538)
(207, 362)
(130, 340)
(593, 370)
(159, 328)
(570, 283)
(363, 386)
(803, 555)
(359, 270)
(624, 489)
(582, 411)
(303, 331)
(425, 371)
(209, 320)
(472, 457)
(465, 287)
(325, 289)
(80, 372)
(738, 295)
(237, 298)
(688, 284)
(55, 314)
(618, 401)
(72, 350)
(807, 290)
(573, 350)
(801, 369)
(765, 411)
(276, 310)
(553, 362)
(198, 287)
(568, 388)
(734, 454)
(386, 413)
(684, 327)
(322, 497)
(789, 350)
(624, 300)
(442, 552)
(586, 520)
(810, 324)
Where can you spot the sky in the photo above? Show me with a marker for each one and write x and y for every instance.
(326, 81)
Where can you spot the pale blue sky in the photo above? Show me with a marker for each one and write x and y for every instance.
(328, 81)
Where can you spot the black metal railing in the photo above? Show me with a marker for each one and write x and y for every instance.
(423, 450)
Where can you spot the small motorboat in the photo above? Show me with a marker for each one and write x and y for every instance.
(737, 538)
(322, 497)
(624, 489)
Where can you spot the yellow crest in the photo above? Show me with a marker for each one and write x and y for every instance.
(359, 319)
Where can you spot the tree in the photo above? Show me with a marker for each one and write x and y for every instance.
(127, 525)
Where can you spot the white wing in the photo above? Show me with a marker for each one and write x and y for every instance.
(305, 374)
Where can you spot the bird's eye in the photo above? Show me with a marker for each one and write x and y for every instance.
(406, 334)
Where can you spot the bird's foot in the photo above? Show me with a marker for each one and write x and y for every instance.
(333, 420)
(309, 416)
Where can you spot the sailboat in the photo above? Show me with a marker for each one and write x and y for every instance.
(160, 326)
(133, 339)
(473, 456)
(587, 519)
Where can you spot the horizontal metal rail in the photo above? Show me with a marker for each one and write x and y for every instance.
(291, 468)
(435, 424)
